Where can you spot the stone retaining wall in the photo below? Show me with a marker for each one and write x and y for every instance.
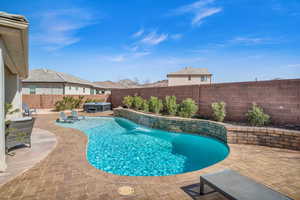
(272, 137)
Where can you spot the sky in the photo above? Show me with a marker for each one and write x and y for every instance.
(237, 40)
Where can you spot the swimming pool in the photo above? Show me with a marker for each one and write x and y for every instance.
(121, 147)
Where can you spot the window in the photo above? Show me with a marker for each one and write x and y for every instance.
(76, 88)
(203, 78)
(102, 92)
(32, 89)
(83, 90)
(189, 78)
(70, 88)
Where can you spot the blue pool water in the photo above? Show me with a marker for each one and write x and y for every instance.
(119, 146)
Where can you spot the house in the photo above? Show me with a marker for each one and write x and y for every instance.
(13, 68)
(46, 81)
(189, 76)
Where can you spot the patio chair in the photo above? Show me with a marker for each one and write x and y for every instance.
(236, 186)
(64, 119)
(75, 115)
(18, 132)
(28, 111)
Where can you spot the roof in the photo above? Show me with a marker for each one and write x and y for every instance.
(13, 17)
(109, 84)
(47, 75)
(14, 34)
(191, 71)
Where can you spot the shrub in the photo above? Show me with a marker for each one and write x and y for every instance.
(219, 111)
(137, 102)
(77, 102)
(187, 108)
(155, 105)
(170, 105)
(127, 101)
(257, 117)
(8, 109)
(145, 106)
(68, 103)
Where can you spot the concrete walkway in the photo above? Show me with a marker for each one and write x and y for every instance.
(43, 142)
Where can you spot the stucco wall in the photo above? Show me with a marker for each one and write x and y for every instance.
(184, 80)
(43, 88)
(77, 89)
(13, 92)
(57, 88)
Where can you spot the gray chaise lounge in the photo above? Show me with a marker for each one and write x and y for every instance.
(237, 187)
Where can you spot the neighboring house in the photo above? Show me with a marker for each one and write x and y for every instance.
(13, 67)
(189, 76)
(46, 81)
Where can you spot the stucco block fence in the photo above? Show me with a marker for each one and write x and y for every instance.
(272, 137)
(47, 101)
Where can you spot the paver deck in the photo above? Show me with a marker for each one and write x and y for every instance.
(66, 174)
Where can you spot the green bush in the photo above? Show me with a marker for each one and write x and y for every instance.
(127, 101)
(68, 103)
(256, 116)
(187, 108)
(145, 106)
(219, 111)
(137, 102)
(170, 105)
(155, 105)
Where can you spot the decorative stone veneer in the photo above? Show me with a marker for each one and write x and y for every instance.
(175, 124)
(272, 137)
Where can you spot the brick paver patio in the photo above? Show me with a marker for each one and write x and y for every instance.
(66, 174)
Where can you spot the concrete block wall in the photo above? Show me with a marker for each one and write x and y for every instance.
(279, 98)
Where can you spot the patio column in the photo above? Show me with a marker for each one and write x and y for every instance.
(2, 117)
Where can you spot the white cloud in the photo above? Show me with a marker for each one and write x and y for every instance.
(153, 38)
(59, 28)
(294, 65)
(176, 36)
(249, 40)
(138, 33)
(119, 58)
(200, 10)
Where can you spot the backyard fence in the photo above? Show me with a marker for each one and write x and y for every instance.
(279, 98)
(48, 100)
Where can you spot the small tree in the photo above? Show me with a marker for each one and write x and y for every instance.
(256, 116)
(137, 102)
(145, 106)
(170, 105)
(219, 111)
(155, 105)
(187, 108)
(127, 101)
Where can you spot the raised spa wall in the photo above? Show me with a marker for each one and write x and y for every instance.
(232, 134)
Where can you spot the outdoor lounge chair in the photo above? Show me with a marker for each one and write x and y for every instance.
(75, 115)
(18, 132)
(64, 119)
(28, 111)
(238, 187)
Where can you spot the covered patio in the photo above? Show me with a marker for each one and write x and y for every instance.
(13, 68)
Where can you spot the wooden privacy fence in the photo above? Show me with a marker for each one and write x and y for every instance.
(279, 98)
(47, 101)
